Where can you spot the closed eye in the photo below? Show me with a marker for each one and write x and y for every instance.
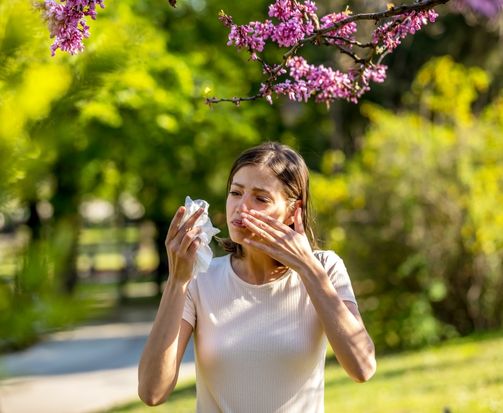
(262, 199)
(234, 193)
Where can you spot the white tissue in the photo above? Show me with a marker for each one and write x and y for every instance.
(204, 253)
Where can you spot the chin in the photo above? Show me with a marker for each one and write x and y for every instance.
(238, 239)
(236, 236)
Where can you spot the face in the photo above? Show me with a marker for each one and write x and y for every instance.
(255, 187)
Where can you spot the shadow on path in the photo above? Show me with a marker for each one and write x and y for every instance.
(85, 349)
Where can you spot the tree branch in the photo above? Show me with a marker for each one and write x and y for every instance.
(320, 34)
(235, 100)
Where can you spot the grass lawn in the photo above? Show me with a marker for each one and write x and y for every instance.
(459, 376)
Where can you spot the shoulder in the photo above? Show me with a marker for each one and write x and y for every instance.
(328, 258)
(218, 263)
(218, 266)
(337, 273)
(212, 280)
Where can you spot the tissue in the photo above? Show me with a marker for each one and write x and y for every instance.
(204, 253)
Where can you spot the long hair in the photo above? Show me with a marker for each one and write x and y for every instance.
(289, 167)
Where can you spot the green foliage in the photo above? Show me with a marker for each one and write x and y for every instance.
(417, 213)
(125, 117)
(33, 303)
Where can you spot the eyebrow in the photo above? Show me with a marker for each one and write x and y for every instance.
(255, 188)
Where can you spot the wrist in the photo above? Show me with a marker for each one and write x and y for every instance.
(310, 266)
(176, 284)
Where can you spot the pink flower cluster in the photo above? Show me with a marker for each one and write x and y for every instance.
(67, 23)
(391, 33)
(250, 36)
(292, 21)
(342, 34)
(295, 22)
(324, 83)
(285, 10)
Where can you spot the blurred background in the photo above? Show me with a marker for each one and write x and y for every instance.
(98, 150)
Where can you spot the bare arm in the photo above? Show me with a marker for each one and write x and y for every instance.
(342, 323)
(166, 344)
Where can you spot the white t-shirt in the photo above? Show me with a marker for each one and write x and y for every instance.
(259, 348)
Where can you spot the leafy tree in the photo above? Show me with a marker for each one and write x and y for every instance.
(417, 211)
(117, 119)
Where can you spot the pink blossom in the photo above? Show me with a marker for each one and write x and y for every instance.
(309, 7)
(294, 21)
(346, 31)
(324, 83)
(225, 19)
(250, 36)
(284, 10)
(374, 73)
(67, 23)
(288, 33)
(392, 32)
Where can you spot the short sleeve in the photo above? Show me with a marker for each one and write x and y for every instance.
(189, 308)
(338, 274)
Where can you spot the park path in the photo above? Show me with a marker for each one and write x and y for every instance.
(89, 369)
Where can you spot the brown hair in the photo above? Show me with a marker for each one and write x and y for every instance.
(289, 167)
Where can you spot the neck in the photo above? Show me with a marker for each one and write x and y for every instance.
(257, 268)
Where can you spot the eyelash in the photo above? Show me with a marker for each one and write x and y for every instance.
(259, 198)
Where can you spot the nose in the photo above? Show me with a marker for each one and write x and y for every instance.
(244, 205)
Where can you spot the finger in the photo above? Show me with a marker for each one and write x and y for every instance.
(188, 225)
(263, 233)
(175, 222)
(194, 246)
(191, 220)
(189, 238)
(263, 225)
(270, 220)
(297, 221)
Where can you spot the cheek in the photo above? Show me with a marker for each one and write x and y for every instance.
(278, 212)
(230, 206)
(227, 207)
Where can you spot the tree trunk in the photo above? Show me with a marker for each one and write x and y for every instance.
(162, 270)
(66, 202)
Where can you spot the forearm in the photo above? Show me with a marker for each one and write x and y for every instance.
(346, 333)
(158, 368)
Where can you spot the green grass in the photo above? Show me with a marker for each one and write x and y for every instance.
(465, 376)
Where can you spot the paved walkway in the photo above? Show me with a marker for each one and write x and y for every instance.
(89, 369)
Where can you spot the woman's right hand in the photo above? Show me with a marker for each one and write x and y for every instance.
(181, 245)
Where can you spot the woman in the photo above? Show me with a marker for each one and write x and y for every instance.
(261, 315)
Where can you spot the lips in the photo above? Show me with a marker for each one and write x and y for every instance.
(238, 223)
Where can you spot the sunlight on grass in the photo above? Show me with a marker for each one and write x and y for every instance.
(462, 375)
(459, 375)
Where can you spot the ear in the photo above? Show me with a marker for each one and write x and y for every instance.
(291, 212)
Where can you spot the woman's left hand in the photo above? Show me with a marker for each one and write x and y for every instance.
(278, 240)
